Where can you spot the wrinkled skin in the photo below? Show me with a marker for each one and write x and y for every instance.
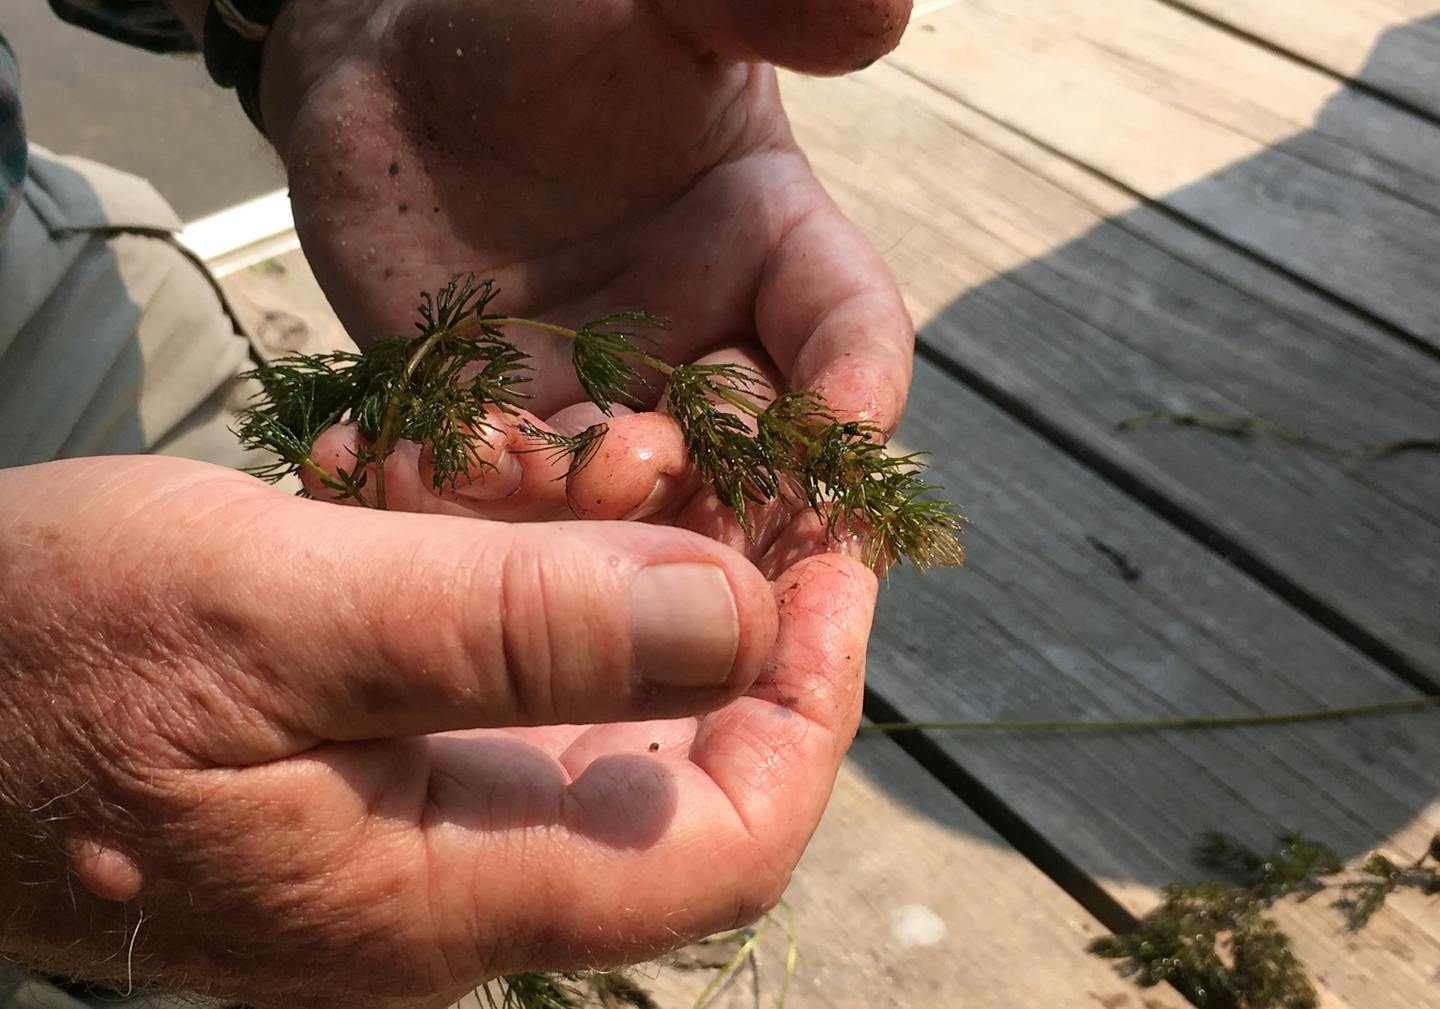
(252, 743)
(268, 747)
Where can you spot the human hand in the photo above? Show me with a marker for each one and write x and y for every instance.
(216, 767)
(590, 156)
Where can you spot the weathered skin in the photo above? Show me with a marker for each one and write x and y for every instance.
(220, 759)
(214, 716)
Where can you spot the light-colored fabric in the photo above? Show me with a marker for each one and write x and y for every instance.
(112, 340)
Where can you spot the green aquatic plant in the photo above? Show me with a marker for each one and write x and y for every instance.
(1216, 942)
(437, 389)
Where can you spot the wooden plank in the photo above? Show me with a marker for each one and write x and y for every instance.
(281, 306)
(1391, 45)
(1042, 625)
(1053, 287)
(1336, 186)
(905, 898)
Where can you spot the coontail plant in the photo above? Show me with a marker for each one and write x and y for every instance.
(436, 387)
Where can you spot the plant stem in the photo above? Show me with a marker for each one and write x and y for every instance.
(1134, 725)
(735, 398)
(385, 440)
(638, 356)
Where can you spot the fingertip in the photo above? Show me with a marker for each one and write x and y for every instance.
(820, 36)
(866, 389)
(759, 615)
(640, 470)
(824, 36)
(335, 451)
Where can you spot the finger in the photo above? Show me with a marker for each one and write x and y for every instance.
(643, 469)
(513, 477)
(706, 515)
(814, 36)
(582, 416)
(776, 751)
(640, 470)
(356, 624)
(494, 473)
(517, 477)
(829, 314)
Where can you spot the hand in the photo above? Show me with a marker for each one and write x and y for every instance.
(590, 156)
(215, 768)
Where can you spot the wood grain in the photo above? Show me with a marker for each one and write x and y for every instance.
(1041, 624)
(904, 899)
(1334, 185)
(1391, 45)
(1055, 289)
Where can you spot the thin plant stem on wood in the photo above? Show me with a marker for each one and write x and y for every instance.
(438, 387)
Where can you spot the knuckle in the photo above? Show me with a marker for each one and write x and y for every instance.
(527, 635)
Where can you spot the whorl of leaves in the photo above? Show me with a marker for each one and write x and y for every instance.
(433, 389)
(301, 396)
(604, 354)
(842, 470)
(720, 442)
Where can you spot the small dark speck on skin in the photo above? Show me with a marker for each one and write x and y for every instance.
(404, 207)
(394, 168)
(434, 210)
(654, 747)
(389, 272)
(929, 29)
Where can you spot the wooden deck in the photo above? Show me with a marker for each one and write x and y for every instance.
(1098, 211)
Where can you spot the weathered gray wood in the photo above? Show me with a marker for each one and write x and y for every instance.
(1339, 187)
(1342, 39)
(1041, 625)
(1055, 287)
(906, 899)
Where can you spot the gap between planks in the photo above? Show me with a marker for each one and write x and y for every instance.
(1266, 297)
(1330, 183)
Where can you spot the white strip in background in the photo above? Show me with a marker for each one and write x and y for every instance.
(245, 234)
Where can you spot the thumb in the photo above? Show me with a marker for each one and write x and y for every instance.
(348, 624)
(812, 36)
